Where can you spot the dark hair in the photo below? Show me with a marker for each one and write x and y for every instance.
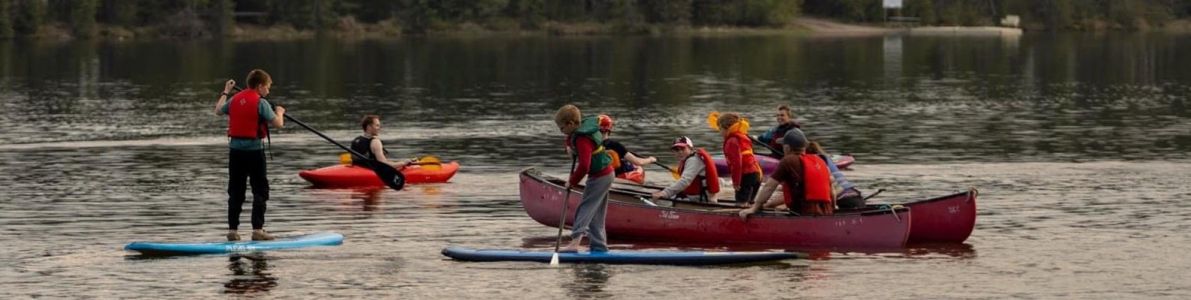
(368, 120)
(786, 109)
(257, 78)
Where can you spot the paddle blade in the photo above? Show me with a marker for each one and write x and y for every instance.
(554, 260)
(345, 158)
(674, 173)
(713, 120)
(390, 176)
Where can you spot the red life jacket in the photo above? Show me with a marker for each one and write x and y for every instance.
(243, 113)
(816, 181)
(708, 182)
(747, 160)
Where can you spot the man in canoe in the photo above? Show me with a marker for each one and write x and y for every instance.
(370, 145)
(846, 194)
(624, 163)
(805, 181)
(738, 151)
(698, 181)
(249, 117)
(591, 161)
(785, 122)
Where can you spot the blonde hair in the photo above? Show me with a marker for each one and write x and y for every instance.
(567, 115)
(726, 120)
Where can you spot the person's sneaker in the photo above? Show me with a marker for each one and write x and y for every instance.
(232, 236)
(261, 235)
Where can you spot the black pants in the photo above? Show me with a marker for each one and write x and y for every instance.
(750, 183)
(241, 165)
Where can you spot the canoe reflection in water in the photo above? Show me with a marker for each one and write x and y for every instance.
(249, 274)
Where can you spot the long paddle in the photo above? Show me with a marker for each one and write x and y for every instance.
(389, 175)
(673, 172)
(562, 220)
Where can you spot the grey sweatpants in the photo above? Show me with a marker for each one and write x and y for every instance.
(589, 217)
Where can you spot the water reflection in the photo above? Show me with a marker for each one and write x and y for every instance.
(370, 196)
(590, 281)
(249, 275)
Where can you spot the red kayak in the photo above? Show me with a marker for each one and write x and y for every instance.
(768, 163)
(629, 217)
(637, 175)
(348, 176)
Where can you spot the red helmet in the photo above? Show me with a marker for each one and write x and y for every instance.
(605, 123)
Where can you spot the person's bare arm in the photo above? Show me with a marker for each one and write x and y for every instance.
(227, 89)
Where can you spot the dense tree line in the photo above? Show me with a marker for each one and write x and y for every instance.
(215, 17)
(1052, 14)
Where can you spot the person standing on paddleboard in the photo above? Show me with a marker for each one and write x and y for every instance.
(370, 145)
(584, 140)
(249, 117)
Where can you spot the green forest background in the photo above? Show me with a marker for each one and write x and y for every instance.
(207, 18)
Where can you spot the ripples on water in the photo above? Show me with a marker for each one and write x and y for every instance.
(1083, 181)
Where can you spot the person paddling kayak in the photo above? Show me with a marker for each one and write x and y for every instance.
(370, 145)
(249, 117)
(785, 122)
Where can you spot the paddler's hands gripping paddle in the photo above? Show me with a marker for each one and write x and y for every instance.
(390, 176)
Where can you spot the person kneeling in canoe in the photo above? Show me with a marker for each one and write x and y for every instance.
(697, 181)
(805, 181)
(591, 161)
(846, 194)
(738, 151)
(624, 163)
(249, 116)
(785, 122)
(370, 145)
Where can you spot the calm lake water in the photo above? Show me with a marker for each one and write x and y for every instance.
(1079, 145)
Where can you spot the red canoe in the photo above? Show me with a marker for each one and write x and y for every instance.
(348, 176)
(631, 218)
(946, 219)
(768, 163)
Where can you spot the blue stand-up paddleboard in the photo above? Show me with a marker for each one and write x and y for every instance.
(302, 241)
(619, 257)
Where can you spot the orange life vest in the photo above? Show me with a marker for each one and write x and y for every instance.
(816, 181)
(747, 160)
(706, 184)
(243, 113)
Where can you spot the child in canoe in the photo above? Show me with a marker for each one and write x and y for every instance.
(591, 161)
(698, 181)
(624, 163)
(846, 194)
(738, 152)
(805, 181)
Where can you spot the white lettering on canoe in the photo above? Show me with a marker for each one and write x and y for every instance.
(953, 209)
(671, 215)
